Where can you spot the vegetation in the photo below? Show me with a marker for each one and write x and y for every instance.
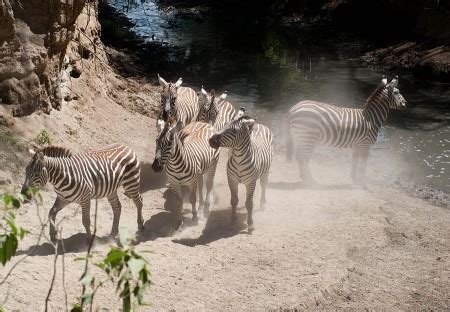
(43, 138)
(11, 139)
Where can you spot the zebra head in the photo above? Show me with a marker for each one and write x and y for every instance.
(164, 142)
(36, 174)
(233, 134)
(396, 100)
(209, 105)
(168, 97)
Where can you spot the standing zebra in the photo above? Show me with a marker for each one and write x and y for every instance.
(186, 156)
(178, 102)
(250, 158)
(215, 110)
(311, 123)
(78, 178)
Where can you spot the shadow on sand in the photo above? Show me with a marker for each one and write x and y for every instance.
(217, 227)
(151, 180)
(74, 244)
(299, 185)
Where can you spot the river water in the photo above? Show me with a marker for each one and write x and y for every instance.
(268, 69)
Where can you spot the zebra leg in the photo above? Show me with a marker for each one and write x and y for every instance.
(132, 191)
(263, 181)
(233, 185)
(86, 218)
(178, 201)
(193, 200)
(249, 205)
(305, 171)
(57, 206)
(364, 154)
(355, 161)
(209, 186)
(201, 201)
(116, 208)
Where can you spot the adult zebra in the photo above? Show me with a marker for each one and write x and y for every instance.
(78, 178)
(250, 158)
(311, 123)
(215, 110)
(178, 102)
(186, 156)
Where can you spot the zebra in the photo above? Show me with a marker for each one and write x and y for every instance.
(186, 157)
(311, 123)
(78, 178)
(251, 152)
(215, 110)
(179, 102)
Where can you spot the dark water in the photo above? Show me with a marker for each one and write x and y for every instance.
(267, 69)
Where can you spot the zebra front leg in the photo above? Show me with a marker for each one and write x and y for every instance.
(209, 186)
(201, 200)
(263, 182)
(57, 206)
(355, 161)
(193, 201)
(117, 209)
(363, 166)
(178, 202)
(86, 218)
(249, 205)
(233, 185)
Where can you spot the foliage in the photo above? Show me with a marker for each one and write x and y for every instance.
(11, 232)
(125, 268)
(43, 138)
(12, 139)
(128, 270)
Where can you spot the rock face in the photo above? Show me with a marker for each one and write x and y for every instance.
(34, 36)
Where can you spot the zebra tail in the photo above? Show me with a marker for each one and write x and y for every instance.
(290, 144)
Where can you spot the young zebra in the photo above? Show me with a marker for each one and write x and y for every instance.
(215, 110)
(78, 178)
(311, 123)
(186, 156)
(178, 102)
(250, 158)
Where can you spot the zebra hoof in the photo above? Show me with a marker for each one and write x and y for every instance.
(250, 229)
(195, 220)
(141, 228)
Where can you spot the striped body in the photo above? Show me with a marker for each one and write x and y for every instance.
(311, 123)
(251, 153)
(91, 175)
(187, 156)
(215, 110)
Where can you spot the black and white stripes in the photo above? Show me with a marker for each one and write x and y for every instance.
(311, 123)
(251, 152)
(215, 110)
(78, 178)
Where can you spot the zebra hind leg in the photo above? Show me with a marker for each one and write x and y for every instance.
(201, 200)
(355, 161)
(178, 201)
(263, 181)
(86, 219)
(193, 201)
(249, 205)
(116, 209)
(305, 171)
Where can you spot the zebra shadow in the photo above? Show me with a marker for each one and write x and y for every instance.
(151, 180)
(299, 185)
(217, 227)
(74, 244)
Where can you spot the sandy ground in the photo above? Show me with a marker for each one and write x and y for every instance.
(328, 247)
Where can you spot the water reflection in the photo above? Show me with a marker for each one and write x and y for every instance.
(268, 69)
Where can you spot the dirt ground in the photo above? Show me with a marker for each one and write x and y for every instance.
(328, 247)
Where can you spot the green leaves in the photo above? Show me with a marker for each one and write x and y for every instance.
(9, 239)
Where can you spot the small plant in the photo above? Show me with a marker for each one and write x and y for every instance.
(125, 268)
(43, 138)
(11, 233)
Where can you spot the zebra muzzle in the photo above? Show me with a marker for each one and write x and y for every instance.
(214, 141)
(156, 166)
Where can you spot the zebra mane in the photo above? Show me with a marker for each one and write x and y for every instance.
(55, 151)
(375, 93)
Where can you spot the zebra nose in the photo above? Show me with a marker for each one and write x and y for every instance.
(214, 141)
(24, 192)
(156, 166)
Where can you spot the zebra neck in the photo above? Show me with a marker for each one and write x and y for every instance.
(55, 168)
(377, 110)
(243, 149)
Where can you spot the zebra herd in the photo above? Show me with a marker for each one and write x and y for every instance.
(191, 130)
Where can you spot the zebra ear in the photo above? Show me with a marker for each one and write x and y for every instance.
(160, 124)
(162, 82)
(249, 122)
(223, 96)
(394, 82)
(179, 82)
(240, 113)
(203, 92)
(39, 156)
(384, 81)
(31, 152)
